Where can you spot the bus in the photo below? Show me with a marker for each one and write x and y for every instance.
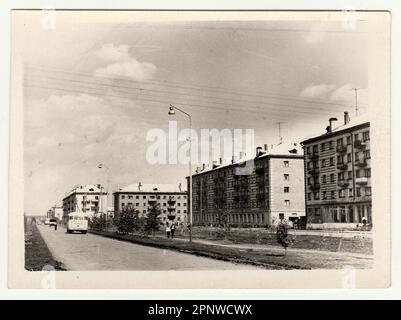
(77, 221)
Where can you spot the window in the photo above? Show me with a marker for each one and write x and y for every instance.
(144, 197)
(144, 211)
(286, 177)
(323, 163)
(331, 145)
(185, 197)
(324, 180)
(341, 193)
(286, 189)
(309, 196)
(129, 197)
(122, 204)
(356, 136)
(340, 142)
(158, 197)
(366, 154)
(323, 146)
(164, 197)
(367, 173)
(144, 204)
(286, 164)
(178, 204)
(122, 197)
(368, 191)
(96, 197)
(137, 204)
(309, 180)
(349, 158)
(307, 150)
(178, 211)
(316, 195)
(365, 136)
(333, 194)
(137, 197)
(348, 140)
(332, 177)
(350, 175)
(341, 176)
(286, 203)
(164, 204)
(315, 149)
(358, 192)
(332, 161)
(350, 193)
(185, 211)
(356, 156)
(358, 173)
(324, 195)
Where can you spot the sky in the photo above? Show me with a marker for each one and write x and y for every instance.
(92, 91)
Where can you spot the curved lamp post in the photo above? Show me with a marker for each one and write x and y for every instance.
(171, 112)
(101, 166)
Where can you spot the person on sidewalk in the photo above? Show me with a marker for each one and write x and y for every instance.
(168, 230)
(172, 230)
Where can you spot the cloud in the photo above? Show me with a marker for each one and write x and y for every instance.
(317, 91)
(343, 93)
(122, 63)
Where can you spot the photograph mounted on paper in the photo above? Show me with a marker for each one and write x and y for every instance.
(237, 149)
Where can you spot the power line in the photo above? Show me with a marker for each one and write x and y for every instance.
(229, 108)
(240, 92)
(164, 102)
(287, 108)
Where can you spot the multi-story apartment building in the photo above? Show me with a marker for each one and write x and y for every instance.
(171, 198)
(90, 199)
(253, 191)
(337, 176)
(55, 212)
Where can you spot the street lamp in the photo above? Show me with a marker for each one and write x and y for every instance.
(171, 112)
(101, 166)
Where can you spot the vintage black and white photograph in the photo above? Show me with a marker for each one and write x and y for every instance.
(200, 142)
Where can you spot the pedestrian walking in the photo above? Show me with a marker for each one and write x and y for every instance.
(168, 230)
(55, 226)
(172, 230)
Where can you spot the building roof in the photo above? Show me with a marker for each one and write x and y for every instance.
(354, 122)
(281, 150)
(154, 187)
(89, 188)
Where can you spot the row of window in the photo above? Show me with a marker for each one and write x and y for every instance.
(329, 145)
(360, 173)
(151, 197)
(145, 204)
(165, 211)
(367, 191)
(341, 159)
(233, 218)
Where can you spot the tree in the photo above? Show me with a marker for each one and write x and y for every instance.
(128, 220)
(282, 234)
(152, 221)
(97, 222)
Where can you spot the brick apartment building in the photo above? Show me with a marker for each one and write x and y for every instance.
(337, 175)
(253, 191)
(171, 198)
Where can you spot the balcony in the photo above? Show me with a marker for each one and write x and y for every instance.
(152, 201)
(361, 180)
(359, 144)
(313, 170)
(314, 186)
(259, 170)
(342, 166)
(313, 155)
(341, 148)
(361, 163)
(171, 208)
(343, 183)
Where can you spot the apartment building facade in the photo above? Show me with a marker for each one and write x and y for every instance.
(251, 192)
(337, 176)
(171, 198)
(90, 199)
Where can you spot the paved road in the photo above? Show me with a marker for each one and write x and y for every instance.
(92, 252)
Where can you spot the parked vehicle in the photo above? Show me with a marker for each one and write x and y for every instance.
(77, 221)
(52, 222)
(47, 221)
